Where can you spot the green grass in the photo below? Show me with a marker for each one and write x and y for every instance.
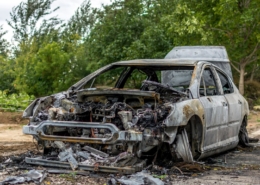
(160, 176)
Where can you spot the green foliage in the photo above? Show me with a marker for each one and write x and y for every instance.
(7, 75)
(232, 23)
(43, 72)
(14, 102)
(82, 20)
(128, 30)
(160, 176)
(6, 65)
(3, 43)
(50, 57)
(119, 25)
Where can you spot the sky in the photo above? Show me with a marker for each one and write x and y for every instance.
(67, 8)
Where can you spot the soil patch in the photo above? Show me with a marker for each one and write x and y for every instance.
(12, 139)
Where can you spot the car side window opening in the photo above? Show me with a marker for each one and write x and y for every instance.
(178, 77)
(208, 85)
(225, 83)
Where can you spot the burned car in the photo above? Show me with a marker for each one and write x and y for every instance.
(116, 118)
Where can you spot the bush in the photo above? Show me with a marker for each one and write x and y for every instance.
(14, 102)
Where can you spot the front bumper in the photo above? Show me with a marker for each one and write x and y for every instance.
(116, 134)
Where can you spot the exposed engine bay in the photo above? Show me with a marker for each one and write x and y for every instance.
(110, 127)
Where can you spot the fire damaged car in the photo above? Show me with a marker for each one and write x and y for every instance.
(127, 113)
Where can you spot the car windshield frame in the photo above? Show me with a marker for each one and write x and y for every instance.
(126, 73)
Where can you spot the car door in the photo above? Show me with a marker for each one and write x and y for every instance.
(215, 109)
(234, 106)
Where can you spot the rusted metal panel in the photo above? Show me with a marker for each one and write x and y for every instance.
(156, 62)
(181, 112)
(135, 93)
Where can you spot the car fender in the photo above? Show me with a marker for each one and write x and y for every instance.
(181, 112)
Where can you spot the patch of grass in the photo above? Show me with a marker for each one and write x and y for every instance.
(160, 176)
(70, 176)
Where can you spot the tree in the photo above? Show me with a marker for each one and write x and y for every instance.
(51, 56)
(31, 32)
(82, 21)
(118, 26)
(73, 37)
(4, 45)
(26, 16)
(45, 72)
(153, 41)
(128, 29)
(232, 23)
(6, 69)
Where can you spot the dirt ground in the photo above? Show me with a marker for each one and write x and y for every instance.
(239, 166)
(12, 140)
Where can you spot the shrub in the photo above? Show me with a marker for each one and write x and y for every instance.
(14, 102)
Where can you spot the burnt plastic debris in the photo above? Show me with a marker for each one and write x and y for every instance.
(140, 178)
(31, 176)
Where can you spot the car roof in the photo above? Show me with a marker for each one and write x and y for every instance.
(156, 62)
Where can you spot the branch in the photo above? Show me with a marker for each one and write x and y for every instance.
(235, 67)
(250, 61)
(218, 29)
(253, 52)
(249, 32)
(235, 62)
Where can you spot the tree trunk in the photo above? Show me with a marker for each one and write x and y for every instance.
(241, 79)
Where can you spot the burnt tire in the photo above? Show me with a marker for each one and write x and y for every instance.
(243, 134)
